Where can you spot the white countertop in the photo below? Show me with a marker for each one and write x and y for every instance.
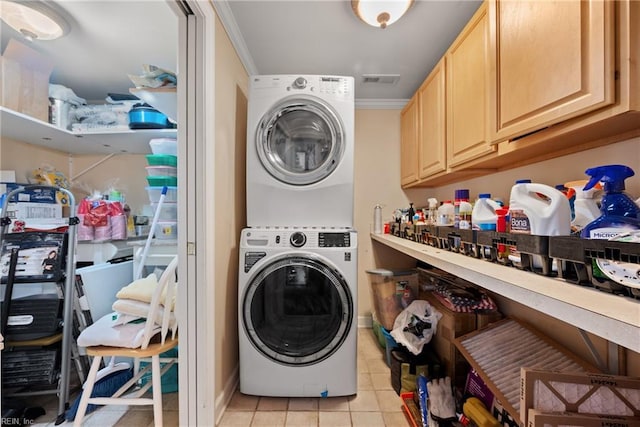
(612, 317)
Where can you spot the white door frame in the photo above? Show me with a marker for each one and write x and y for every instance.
(196, 52)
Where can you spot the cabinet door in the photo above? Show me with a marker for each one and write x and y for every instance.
(553, 60)
(431, 123)
(467, 92)
(409, 143)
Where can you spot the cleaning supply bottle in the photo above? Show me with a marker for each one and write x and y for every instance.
(462, 210)
(483, 216)
(446, 212)
(432, 215)
(540, 210)
(585, 207)
(619, 213)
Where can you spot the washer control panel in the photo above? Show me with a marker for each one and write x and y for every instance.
(334, 240)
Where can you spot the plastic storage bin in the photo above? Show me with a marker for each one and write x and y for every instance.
(390, 344)
(166, 230)
(160, 181)
(162, 160)
(162, 171)
(156, 192)
(392, 291)
(164, 146)
(168, 212)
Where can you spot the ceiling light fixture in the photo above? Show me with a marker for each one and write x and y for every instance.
(380, 13)
(35, 20)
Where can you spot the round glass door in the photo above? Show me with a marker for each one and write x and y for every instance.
(297, 310)
(300, 141)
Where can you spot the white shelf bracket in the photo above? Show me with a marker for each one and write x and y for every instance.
(99, 162)
(612, 365)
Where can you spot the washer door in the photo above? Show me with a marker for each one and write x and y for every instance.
(300, 140)
(297, 310)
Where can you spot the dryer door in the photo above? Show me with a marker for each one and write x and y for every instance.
(300, 140)
(297, 310)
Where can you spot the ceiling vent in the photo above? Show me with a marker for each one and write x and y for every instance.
(385, 79)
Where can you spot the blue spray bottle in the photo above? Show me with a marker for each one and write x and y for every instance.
(620, 214)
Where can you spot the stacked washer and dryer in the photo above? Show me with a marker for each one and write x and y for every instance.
(297, 283)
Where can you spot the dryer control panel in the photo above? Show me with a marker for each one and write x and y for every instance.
(334, 240)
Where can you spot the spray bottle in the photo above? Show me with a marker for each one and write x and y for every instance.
(433, 211)
(619, 213)
(585, 207)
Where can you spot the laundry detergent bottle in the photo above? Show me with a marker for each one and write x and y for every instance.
(484, 216)
(619, 213)
(540, 210)
(585, 206)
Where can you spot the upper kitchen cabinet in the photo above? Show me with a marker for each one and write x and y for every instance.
(468, 113)
(552, 61)
(431, 123)
(409, 143)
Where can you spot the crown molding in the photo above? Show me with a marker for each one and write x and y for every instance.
(229, 23)
(380, 104)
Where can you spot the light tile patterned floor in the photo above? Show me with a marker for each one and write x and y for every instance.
(376, 403)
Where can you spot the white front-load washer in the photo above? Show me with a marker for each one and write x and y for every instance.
(297, 299)
(300, 144)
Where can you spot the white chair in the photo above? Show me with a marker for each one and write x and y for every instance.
(147, 350)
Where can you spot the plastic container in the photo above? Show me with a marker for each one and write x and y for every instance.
(168, 211)
(159, 181)
(619, 213)
(392, 291)
(166, 230)
(390, 344)
(539, 210)
(484, 216)
(446, 213)
(377, 219)
(585, 207)
(162, 171)
(462, 210)
(156, 192)
(164, 146)
(162, 160)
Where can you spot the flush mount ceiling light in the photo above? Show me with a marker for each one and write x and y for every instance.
(35, 20)
(380, 13)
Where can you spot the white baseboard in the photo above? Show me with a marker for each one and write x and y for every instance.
(227, 394)
(365, 322)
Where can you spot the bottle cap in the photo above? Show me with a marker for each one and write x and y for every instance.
(484, 195)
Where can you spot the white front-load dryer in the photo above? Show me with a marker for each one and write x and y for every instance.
(297, 299)
(300, 144)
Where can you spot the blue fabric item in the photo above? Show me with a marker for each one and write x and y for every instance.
(105, 387)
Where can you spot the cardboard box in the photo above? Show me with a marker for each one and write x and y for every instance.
(541, 419)
(450, 326)
(24, 80)
(30, 210)
(592, 393)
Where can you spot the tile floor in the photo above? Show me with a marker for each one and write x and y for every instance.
(376, 403)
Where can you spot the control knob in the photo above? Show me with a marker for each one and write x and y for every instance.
(300, 83)
(298, 239)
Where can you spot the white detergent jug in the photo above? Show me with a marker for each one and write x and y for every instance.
(484, 215)
(540, 210)
(585, 206)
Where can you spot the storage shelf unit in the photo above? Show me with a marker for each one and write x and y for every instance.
(23, 128)
(612, 317)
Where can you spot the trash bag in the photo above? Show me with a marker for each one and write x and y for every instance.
(415, 325)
